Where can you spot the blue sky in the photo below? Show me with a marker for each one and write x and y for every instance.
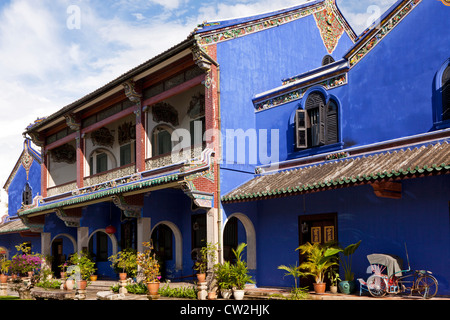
(53, 52)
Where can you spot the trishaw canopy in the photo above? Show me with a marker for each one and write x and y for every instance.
(392, 263)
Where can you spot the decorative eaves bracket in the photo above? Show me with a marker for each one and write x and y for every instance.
(386, 189)
(69, 220)
(130, 211)
(35, 224)
(199, 198)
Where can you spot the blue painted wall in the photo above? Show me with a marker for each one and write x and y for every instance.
(390, 91)
(18, 183)
(420, 218)
(258, 62)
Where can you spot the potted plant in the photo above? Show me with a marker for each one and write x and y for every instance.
(319, 258)
(125, 261)
(239, 273)
(150, 267)
(86, 268)
(206, 259)
(334, 278)
(222, 274)
(348, 285)
(63, 269)
(5, 264)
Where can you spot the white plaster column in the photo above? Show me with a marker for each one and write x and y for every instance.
(46, 247)
(143, 232)
(83, 238)
(212, 232)
(46, 243)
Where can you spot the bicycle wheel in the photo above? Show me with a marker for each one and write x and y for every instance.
(427, 286)
(377, 286)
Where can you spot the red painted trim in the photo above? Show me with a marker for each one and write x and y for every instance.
(109, 120)
(61, 141)
(175, 90)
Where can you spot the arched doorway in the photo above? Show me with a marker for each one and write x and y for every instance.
(101, 246)
(239, 228)
(167, 242)
(63, 245)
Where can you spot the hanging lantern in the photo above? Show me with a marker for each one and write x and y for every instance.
(110, 229)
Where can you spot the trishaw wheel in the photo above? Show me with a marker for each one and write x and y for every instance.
(377, 286)
(427, 286)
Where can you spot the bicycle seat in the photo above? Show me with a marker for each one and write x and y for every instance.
(423, 271)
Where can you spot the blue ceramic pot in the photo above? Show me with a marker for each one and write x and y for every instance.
(346, 287)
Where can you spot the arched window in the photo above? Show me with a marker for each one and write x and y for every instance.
(446, 94)
(162, 141)
(317, 124)
(27, 195)
(327, 60)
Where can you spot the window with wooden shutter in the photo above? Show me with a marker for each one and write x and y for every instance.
(332, 123)
(446, 94)
(301, 129)
(317, 124)
(315, 107)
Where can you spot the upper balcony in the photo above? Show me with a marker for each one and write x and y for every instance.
(106, 147)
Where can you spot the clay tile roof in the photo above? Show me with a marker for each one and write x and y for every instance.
(12, 226)
(346, 172)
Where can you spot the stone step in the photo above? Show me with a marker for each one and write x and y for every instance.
(101, 285)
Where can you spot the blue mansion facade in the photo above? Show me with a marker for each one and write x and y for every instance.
(288, 128)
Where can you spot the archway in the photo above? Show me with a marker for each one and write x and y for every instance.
(249, 233)
(101, 246)
(61, 250)
(162, 234)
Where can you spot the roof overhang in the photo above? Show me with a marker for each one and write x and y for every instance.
(412, 157)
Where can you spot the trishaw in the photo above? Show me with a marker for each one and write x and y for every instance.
(389, 278)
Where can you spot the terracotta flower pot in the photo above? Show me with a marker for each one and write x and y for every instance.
(153, 288)
(3, 278)
(63, 275)
(319, 288)
(201, 277)
(82, 284)
(122, 276)
(93, 277)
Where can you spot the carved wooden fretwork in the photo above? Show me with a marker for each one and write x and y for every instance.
(73, 121)
(126, 133)
(102, 137)
(130, 211)
(165, 112)
(65, 153)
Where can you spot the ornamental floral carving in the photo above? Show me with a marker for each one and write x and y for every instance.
(102, 137)
(65, 153)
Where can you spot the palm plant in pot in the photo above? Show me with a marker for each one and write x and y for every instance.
(239, 273)
(222, 274)
(125, 263)
(319, 258)
(347, 286)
